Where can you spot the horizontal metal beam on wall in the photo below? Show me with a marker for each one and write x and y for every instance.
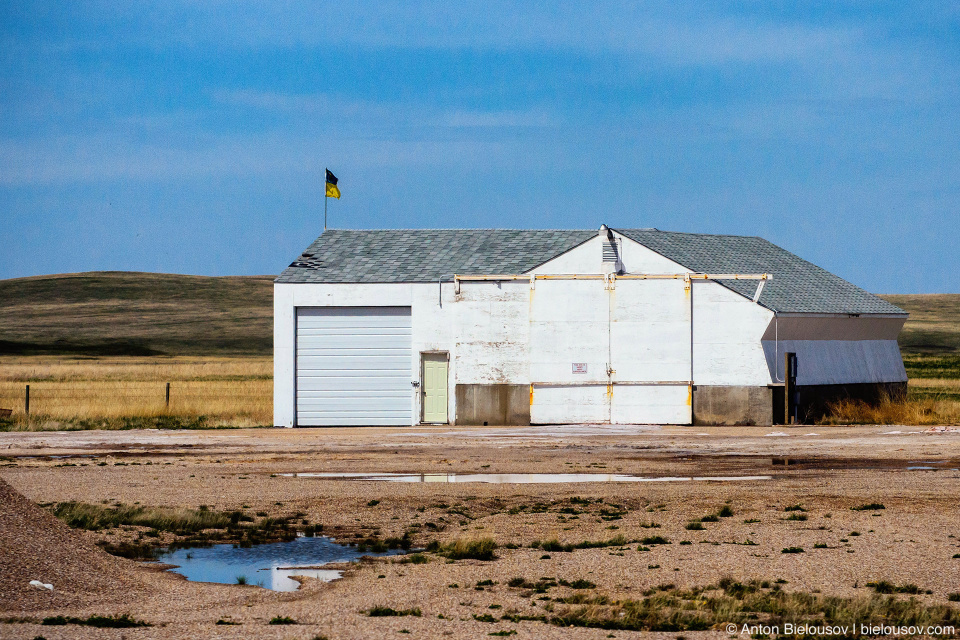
(597, 383)
(611, 277)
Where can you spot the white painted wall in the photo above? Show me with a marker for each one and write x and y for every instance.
(490, 330)
(727, 329)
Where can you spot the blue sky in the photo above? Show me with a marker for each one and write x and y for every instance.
(191, 136)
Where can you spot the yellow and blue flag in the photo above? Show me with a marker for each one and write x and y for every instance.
(332, 190)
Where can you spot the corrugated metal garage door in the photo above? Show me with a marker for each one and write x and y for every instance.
(353, 366)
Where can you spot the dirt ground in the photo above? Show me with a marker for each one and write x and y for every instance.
(826, 470)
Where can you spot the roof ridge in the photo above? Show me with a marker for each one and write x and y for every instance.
(692, 233)
(460, 229)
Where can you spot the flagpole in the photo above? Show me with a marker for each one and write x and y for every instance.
(324, 198)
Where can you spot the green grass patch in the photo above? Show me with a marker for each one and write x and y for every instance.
(93, 517)
(190, 527)
(932, 366)
(381, 611)
(884, 586)
(415, 558)
(123, 621)
(554, 545)
(466, 549)
(580, 583)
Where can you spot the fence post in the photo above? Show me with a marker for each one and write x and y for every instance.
(168, 395)
(26, 401)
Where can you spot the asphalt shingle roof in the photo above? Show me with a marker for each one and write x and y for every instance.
(797, 286)
(426, 255)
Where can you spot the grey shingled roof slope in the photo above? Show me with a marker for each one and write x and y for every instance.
(797, 286)
(426, 255)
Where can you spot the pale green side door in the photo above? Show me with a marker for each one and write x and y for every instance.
(435, 387)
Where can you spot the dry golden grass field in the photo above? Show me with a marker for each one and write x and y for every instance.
(118, 392)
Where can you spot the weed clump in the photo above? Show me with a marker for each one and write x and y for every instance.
(416, 558)
(668, 609)
(873, 506)
(123, 621)
(464, 549)
(554, 545)
(381, 611)
(94, 517)
(884, 586)
(911, 410)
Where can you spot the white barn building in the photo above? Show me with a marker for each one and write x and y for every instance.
(628, 326)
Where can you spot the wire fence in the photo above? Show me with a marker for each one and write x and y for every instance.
(125, 398)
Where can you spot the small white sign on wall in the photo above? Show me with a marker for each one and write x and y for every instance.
(579, 367)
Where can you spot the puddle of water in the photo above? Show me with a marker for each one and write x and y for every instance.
(267, 565)
(514, 478)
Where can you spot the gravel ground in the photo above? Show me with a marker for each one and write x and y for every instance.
(827, 470)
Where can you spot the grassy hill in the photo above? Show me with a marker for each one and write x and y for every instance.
(934, 324)
(130, 313)
(930, 341)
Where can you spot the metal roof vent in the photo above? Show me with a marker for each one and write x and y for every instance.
(610, 262)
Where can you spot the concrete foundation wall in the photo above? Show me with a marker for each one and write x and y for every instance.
(717, 405)
(483, 404)
(739, 405)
